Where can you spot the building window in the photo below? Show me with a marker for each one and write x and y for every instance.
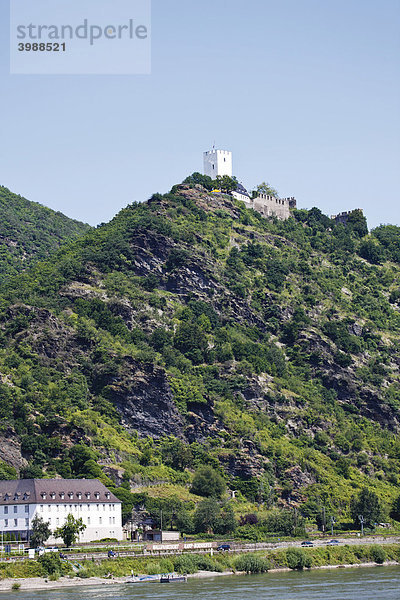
(15, 522)
(41, 508)
(57, 507)
(49, 507)
(5, 522)
(100, 520)
(57, 521)
(15, 509)
(110, 520)
(88, 520)
(104, 507)
(88, 506)
(6, 510)
(27, 508)
(98, 506)
(49, 520)
(113, 520)
(26, 522)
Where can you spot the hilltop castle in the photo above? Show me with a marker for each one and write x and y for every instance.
(218, 163)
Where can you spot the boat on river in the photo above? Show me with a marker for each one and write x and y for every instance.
(160, 578)
(172, 577)
(144, 579)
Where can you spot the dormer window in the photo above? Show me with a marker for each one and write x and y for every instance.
(70, 495)
(16, 496)
(79, 494)
(108, 495)
(26, 496)
(44, 495)
(62, 495)
(87, 495)
(53, 495)
(6, 497)
(97, 495)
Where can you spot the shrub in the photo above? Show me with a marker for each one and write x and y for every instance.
(15, 586)
(297, 559)
(185, 564)
(166, 565)
(208, 482)
(51, 563)
(251, 563)
(378, 554)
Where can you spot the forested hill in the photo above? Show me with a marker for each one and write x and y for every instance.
(191, 331)
(30, 232)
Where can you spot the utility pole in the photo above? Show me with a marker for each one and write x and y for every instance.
(333, 521)
(362, 521)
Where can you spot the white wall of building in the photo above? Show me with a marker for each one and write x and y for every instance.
(217, 162)
(102, 519)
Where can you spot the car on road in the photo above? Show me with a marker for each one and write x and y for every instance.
(333, 543)
(307, 543)
(224, 547)
(111, 554)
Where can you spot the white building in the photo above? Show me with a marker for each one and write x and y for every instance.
(217, 162)
(241, 194)
(53, 500)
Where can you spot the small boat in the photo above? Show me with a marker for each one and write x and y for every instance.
(144, 579)
(172, 577)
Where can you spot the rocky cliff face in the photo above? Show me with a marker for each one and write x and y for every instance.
(191, 318)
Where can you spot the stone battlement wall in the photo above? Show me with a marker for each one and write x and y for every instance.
(270, 206)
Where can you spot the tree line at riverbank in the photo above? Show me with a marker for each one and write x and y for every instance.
(51, 566)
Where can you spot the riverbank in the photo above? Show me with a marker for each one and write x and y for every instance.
(40, 583)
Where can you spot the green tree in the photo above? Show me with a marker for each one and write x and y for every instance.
(395, 509)
(40, 532)
(226, 183)
(368, 505)
(266, 188)
(199, 179)
(206, 517)
(70, 531)
(227, 522)
(208, 482)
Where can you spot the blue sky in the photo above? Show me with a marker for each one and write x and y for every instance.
(304, 92)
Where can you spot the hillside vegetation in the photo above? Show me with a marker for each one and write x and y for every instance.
(190, 331)
(30, 232)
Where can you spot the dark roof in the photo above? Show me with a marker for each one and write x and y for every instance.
(241, 190)
(54, 491)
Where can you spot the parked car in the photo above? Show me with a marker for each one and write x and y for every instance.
(307, 543)
(224, 547)
(333, 542)
(111, 554)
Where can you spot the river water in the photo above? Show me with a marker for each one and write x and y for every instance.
(376, 583)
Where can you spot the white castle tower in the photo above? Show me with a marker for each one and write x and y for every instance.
(217, 162)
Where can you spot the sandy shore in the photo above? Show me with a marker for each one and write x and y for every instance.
(38, 583)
